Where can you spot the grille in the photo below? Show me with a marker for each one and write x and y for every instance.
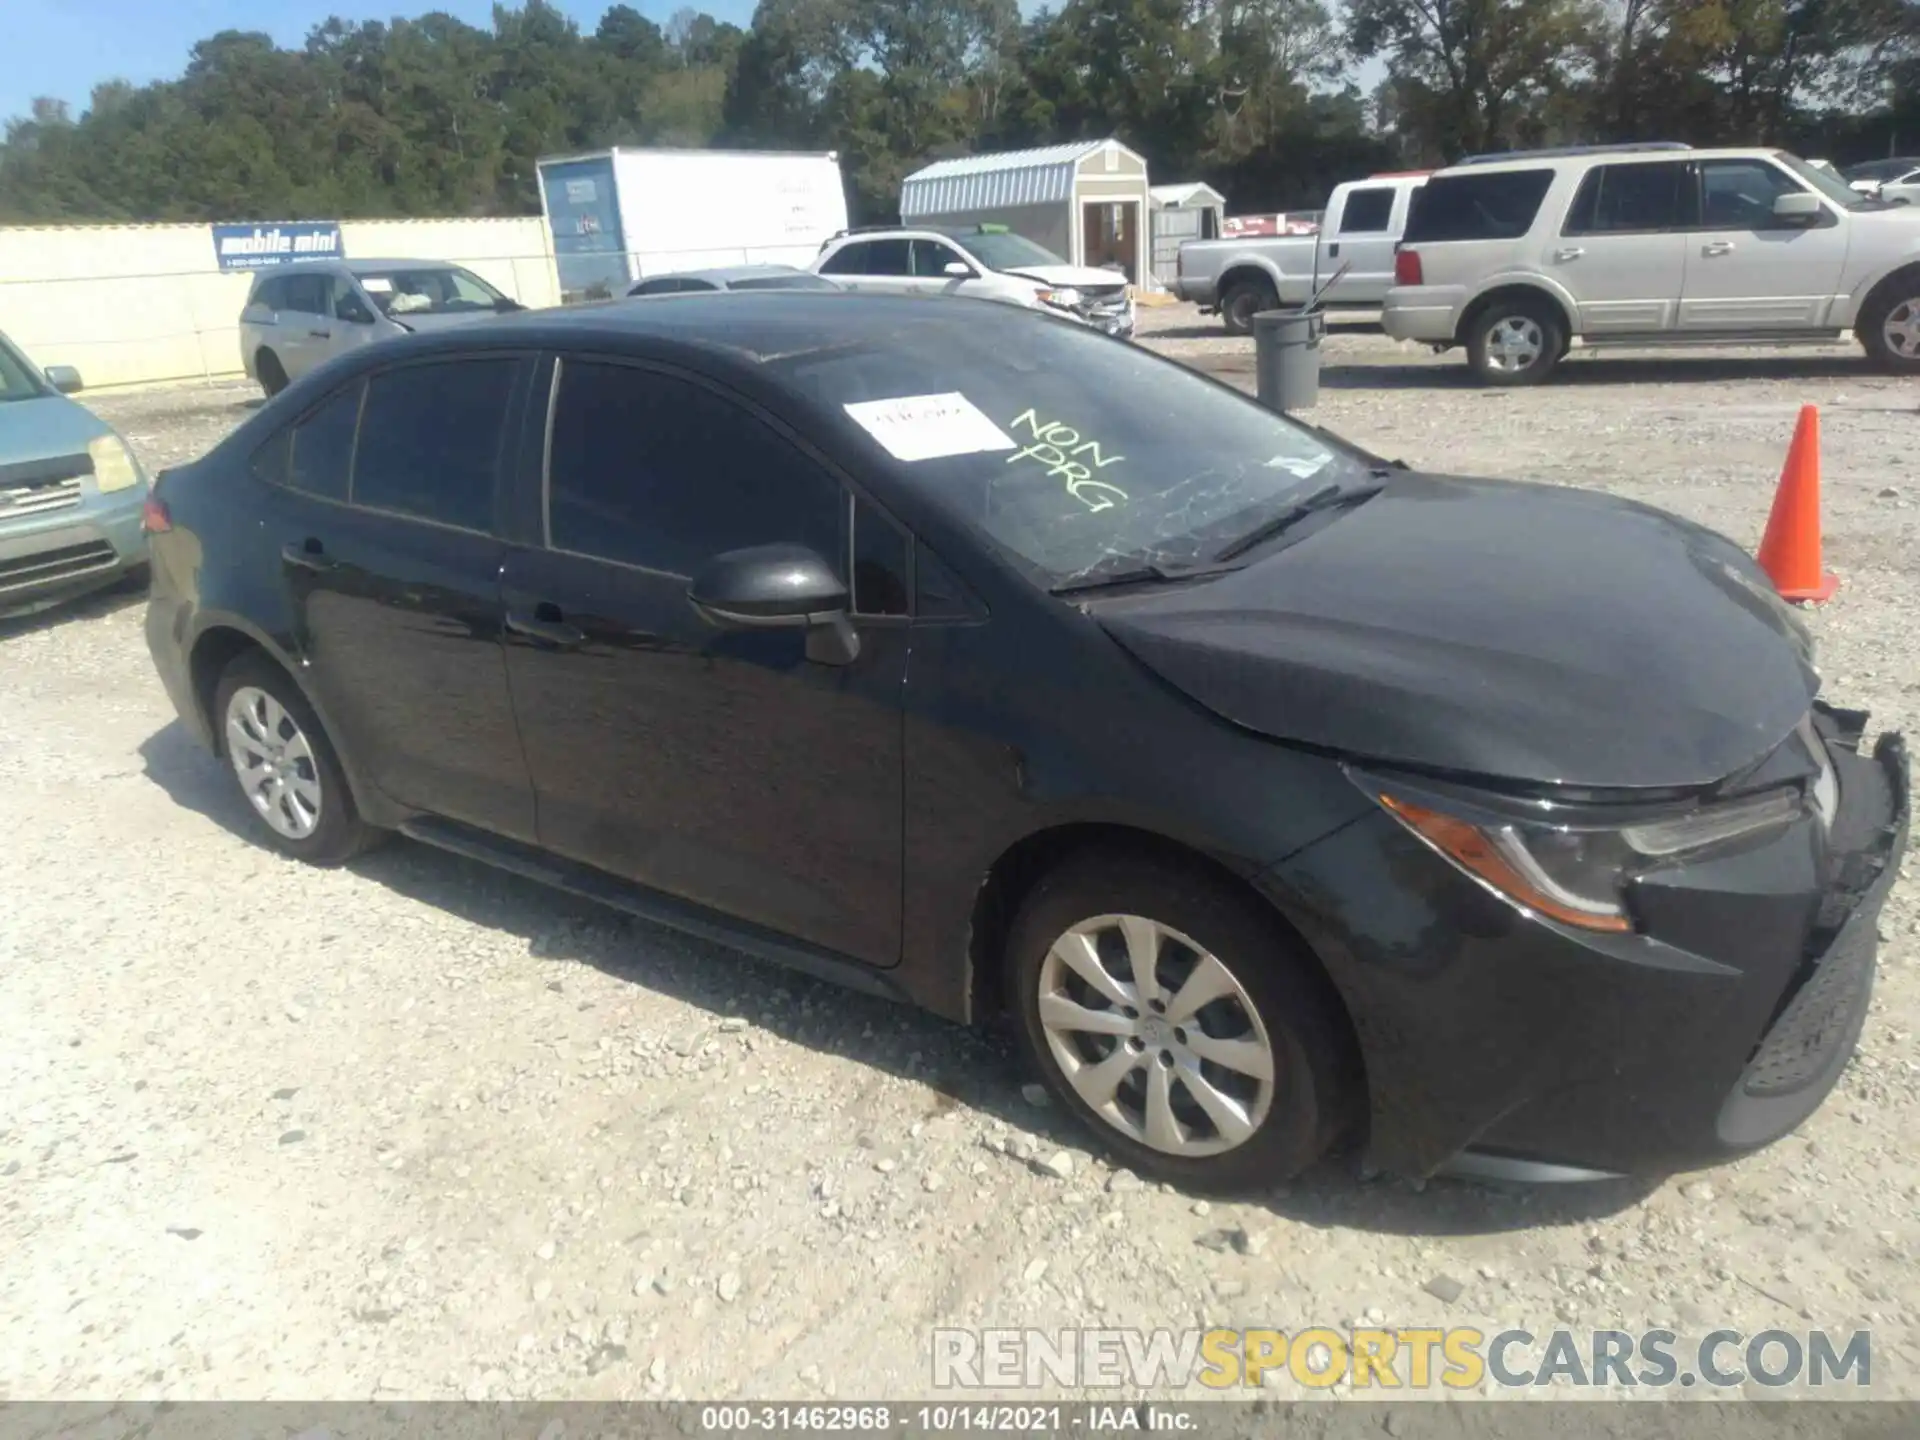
(48, 566)
(1817, 1020)
(38, 498)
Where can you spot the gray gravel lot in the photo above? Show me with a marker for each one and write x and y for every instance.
(415, 1128)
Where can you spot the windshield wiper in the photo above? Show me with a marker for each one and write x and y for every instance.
(1324, 498)
(1139, 575)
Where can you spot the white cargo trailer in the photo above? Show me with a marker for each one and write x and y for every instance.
(619, 215)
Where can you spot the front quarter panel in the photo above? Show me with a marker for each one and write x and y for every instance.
(1035, 720)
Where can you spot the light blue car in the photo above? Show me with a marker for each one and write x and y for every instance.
(71, 491)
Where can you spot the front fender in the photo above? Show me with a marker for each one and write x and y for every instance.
(1844, 317)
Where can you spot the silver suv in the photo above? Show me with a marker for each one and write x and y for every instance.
(1517, 258)
(302, 314)
(985, 262)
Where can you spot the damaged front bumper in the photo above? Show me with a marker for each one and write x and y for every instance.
(1496, 1043)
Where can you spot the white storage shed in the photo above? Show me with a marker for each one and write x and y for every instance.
(1193, 211)
(1087, 201)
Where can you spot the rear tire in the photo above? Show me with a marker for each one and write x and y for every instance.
(1245, 300)
(284, 765)
(273, 375)
(1515, 342)
(1231, 1094)
(1889, 325)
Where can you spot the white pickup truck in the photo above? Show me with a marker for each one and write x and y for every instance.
(1241, 277)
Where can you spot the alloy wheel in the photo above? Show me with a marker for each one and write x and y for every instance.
(1901, 329)
(1514, 344)
(274, 762)
(1156, 1035)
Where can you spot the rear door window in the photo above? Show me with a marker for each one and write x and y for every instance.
(322, 455)
(1630, 199)
(430, 440)
(1477, 205)
(306, 294)
(1368, 212)
(871, 257)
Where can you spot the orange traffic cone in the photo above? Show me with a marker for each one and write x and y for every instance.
(1790, 550)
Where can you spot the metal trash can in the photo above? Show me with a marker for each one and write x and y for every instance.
(1286, 357)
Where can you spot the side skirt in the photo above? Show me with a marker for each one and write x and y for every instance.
(665, 910)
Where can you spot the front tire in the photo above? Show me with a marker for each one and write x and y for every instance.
(1890, 325)
(1515, 342)
(1177, 1020)
(285, 766)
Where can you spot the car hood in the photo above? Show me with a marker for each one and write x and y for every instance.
(1080, 276)
(46, 428)
(1526, 632)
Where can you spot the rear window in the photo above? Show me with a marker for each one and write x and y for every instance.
(1477, 206)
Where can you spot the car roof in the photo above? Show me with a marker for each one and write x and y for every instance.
(744, 327)
(727, 274)
(352, 267)
(1544, 160)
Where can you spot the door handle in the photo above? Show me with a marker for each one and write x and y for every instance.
(1570, 252)
(319, 334)
(309, 554)
(1333, 251)
(545, 627)
(1717, 247)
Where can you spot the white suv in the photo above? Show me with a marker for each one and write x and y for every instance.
(988, 262)
(1518, 257)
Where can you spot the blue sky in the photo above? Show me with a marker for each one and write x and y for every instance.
(64, 48)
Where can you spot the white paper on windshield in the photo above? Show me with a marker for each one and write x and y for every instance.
(929, 427)
(377, 284)
(1304, 466)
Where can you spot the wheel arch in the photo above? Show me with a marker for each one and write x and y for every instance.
(1907, 272)
(1012, 877)
(1510, 290)
(1247, 271)
(225, 639)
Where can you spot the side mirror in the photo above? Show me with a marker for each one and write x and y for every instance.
(958, 269)
(64, 378)
(506, 306)
(354, 312)
(1797, 207)
(778, 587)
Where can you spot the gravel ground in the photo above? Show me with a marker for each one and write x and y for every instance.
(414, 1128)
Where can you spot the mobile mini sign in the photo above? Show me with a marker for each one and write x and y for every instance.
(252, 247)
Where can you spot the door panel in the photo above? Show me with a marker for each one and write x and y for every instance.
(1363, 241)
(724, 768)
(302, 326)
(720, 766)
(1744, 271)
(1622, 251)
(400, 614)
(401, 624)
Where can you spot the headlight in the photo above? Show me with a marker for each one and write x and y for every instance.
(1574, 869)
(1066, 297)
(114, 467)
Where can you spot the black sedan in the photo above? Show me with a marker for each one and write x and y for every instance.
(1278, 794)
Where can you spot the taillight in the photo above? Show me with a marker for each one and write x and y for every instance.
(154, 518)
(1406, 268)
